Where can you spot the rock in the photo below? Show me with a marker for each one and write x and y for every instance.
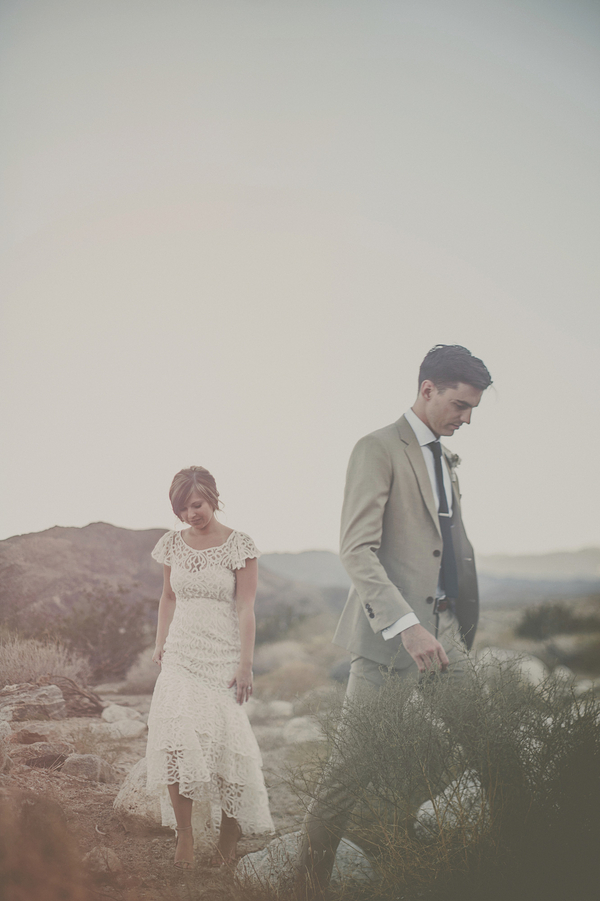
(462, 805)
(89, 766)
(120, 729)
(25, 737)
(116, 712)
(280, 709)
(48, 750)
(5, 741)
(583, 686)
(302, 728)
(139, 808)
(102, 861)
(316, 699)
(32, 702)
(269, 657)
(563, 675)
(530, 668)
(275, 865)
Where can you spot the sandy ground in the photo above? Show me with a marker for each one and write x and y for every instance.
(146, 859)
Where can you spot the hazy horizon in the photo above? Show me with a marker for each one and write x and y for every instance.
(231, 229)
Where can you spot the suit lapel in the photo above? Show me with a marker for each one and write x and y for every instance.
(413, 451)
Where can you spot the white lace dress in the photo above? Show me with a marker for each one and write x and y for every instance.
(198, 735)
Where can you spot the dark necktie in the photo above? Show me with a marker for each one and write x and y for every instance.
(448, 571)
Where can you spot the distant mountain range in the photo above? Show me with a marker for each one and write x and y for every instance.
(503, 579)
(44, 572)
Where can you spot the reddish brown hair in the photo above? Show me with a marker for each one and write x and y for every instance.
(187, 480)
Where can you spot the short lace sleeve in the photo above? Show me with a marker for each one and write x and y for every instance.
(162, 551)
(245, 549)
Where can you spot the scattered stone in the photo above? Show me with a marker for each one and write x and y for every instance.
(32, 702)
(564, 675)
(139, 808)
(25, 737)
(120, 729)
(102, 861)
(462, 805)
(275, 865)
(301, 729)
(91, 767)
(47, 762)
(116, 712)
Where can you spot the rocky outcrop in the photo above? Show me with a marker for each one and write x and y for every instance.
(89, 766)
(32, 702)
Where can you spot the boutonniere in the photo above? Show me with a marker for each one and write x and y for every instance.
(453, 462)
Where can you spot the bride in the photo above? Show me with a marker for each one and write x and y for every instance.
(201, 752)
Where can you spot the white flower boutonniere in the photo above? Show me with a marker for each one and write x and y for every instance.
(453, 462)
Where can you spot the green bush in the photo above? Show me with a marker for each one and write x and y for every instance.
(531, 834)
(544, 620)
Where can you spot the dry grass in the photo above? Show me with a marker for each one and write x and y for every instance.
(27, 659)
(290, 681)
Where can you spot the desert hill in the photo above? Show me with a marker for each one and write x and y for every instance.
(48, 571)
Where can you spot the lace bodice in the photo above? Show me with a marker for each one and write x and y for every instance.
(209, 573)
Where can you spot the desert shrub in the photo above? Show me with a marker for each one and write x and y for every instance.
(27, 659)
(276, 625)
(39, 858)
(109, 628)
(289, 681)
(531, 830)
(554, 618)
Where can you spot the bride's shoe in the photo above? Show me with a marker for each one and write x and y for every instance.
(182, 863)
(230, 859)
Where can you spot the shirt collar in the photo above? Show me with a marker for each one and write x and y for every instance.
(423, 432)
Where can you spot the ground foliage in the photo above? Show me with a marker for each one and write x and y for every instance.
(533, 833)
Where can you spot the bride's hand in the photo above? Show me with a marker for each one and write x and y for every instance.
(158, 655)
(243, 683)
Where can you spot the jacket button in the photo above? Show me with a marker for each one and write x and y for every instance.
(371, 615)
(429, 600)
(436, 553)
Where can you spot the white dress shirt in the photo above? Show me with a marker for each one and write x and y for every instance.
(424, 436)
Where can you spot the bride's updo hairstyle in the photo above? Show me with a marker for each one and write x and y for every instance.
(186, 481)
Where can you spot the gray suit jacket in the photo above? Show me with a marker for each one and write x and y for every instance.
(391, 548)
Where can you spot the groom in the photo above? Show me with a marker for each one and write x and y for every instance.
(414, 592)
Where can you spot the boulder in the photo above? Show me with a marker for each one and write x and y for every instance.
(47, 750)
(116, 712)
(26, 737)
(32, 702)
(102, 861)
(5, 742)
(120, 729)
(462, 805)
(137, 807)
(89, 766)
(529, 668)
(275, 865)
(302, 728)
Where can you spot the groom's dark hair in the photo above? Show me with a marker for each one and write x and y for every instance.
(448, 364)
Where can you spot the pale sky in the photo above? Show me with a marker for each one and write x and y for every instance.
(232, 230)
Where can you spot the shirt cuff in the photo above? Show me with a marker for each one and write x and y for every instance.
(405, 622)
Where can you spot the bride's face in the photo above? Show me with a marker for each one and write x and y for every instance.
(197, 511)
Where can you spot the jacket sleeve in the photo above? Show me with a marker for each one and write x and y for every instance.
(368, 482)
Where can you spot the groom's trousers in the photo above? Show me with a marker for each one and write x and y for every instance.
(334, 801)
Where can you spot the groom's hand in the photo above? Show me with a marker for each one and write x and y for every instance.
(424, 649)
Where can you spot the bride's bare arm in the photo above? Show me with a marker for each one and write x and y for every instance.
(166, 609)
(246, 582)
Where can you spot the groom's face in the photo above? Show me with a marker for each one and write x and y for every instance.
(447, 409)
